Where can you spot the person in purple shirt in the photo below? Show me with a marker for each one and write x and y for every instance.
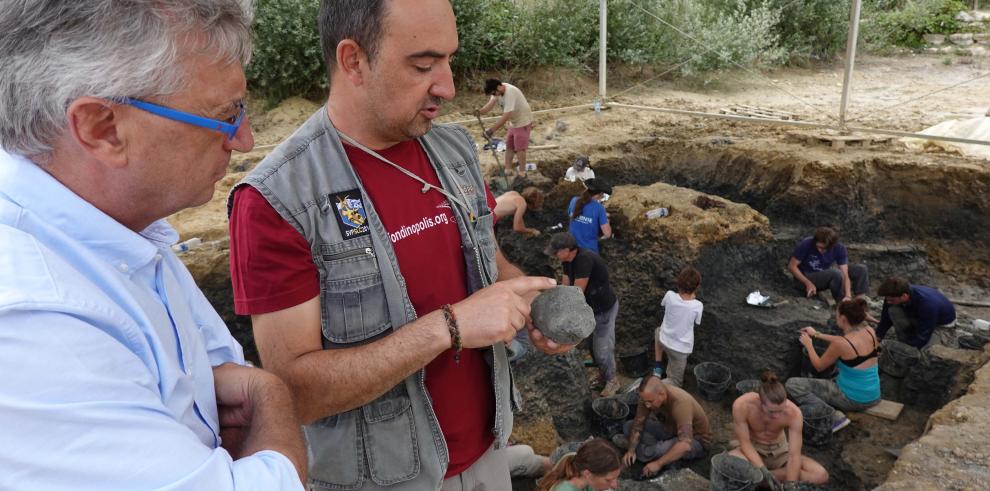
(587, 215)
(811, 265)
(914, 311)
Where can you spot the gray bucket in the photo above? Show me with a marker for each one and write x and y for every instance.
(748, 385)
(817, 424)
(897, 358)
(713, 379)
(563, 450)
(730, 473)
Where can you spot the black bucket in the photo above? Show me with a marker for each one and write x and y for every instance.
(817, 424)
(730, 473)
(897, 358)
(563, 450)
(635, 363)
(748, 385)
(611, 413)
(713, 379)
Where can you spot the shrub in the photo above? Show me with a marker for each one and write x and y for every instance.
(907, 25)
(287, 59)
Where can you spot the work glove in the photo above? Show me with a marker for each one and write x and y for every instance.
(771, 481)
(489, 133)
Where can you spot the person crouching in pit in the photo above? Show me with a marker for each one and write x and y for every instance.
(682, 434)
(759, 420)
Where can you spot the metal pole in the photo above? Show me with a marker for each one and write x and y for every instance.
(602, 30)
(855, 9)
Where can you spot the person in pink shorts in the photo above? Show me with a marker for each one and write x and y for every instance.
(517, 114)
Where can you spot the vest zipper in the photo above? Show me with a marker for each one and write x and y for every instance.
(367, 251)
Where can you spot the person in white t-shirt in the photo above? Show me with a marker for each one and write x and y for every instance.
(580, 169)
(675, 336)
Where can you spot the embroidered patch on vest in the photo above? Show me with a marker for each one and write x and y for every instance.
(351, 217)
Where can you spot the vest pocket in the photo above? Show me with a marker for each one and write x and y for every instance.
(335, 452)
(485, 234)
(390, 438)
(352, 295)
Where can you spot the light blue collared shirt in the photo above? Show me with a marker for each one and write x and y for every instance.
(106, 354)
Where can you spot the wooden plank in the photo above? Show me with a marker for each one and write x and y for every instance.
(888, 410)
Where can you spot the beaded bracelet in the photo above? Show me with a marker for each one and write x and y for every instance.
(455, 333)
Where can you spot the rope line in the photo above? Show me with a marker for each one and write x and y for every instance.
(913, 99)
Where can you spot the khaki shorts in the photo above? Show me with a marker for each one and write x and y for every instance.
(774, 455)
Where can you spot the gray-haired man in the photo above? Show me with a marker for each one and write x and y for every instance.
(118, 374)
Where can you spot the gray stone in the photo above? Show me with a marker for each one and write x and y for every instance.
(935, 39)
(982, 38)
(562, 315)
(961, 38)
(964, 16)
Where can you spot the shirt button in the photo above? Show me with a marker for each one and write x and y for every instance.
(123, 268)
(158, 257)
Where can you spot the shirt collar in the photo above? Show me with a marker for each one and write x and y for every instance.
(37, 192)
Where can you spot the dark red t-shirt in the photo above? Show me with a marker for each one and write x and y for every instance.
(272, 269)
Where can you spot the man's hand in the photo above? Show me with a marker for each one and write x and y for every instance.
(234, 385)
(546, 344)
(489, 132)
(477, 113)
(256, 413)
(629, 458)
(495, 313)
(651, 469)
(810, 290)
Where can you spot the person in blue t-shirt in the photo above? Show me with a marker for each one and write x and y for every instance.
(587, 215)
(811, 265)
(914, 311)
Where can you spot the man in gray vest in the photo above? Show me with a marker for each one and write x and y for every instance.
(363, 248)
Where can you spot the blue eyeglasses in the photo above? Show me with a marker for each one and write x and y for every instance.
(229, 127)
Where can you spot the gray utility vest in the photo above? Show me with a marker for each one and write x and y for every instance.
(393, 442)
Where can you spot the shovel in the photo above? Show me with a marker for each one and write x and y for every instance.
(494, 150)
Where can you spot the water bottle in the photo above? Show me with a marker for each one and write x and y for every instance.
(187, 245)
(598, 107)
(657, 213)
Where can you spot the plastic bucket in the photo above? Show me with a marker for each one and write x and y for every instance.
(730, 473)
(897, 358)
(748, 385)
(563, 450)
(635, 363)
(713, 379)
(611, 414)
(817, 424)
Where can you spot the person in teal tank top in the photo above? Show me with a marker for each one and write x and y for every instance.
(594, 467)
(857, 387)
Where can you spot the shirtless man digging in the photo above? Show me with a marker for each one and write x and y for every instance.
(759, 420)
(515, 204)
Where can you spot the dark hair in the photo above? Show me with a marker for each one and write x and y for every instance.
(827, 236)
(770, 389)
(854, 309)
(361, 21)
(584, 199)
(689, 280)
(894, 287)
(595, 455)
(491, 85)
(533, 197)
